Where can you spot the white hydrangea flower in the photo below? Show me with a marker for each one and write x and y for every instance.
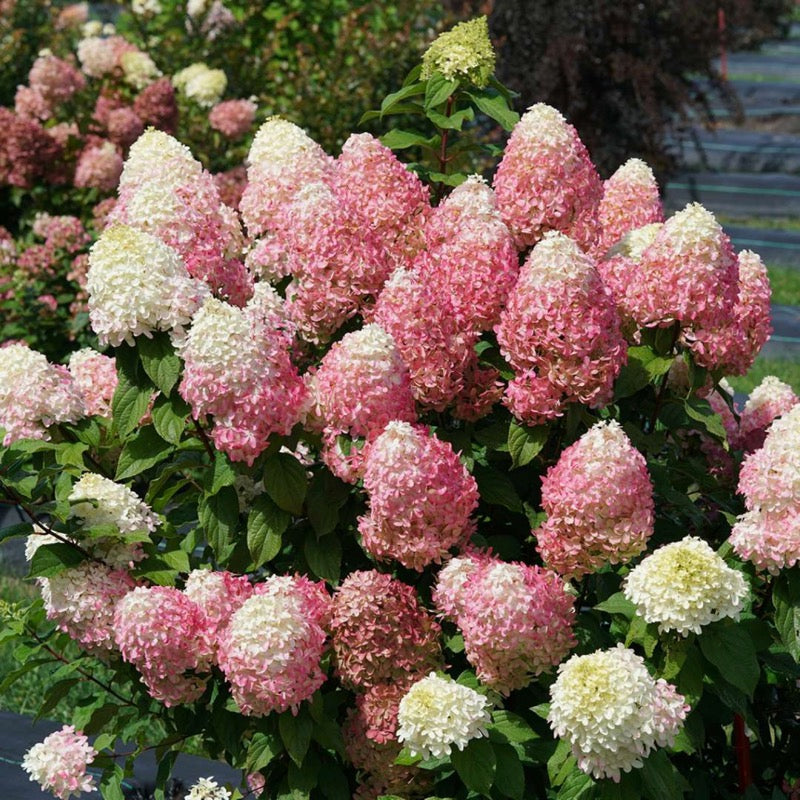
(207, 789)
(612, 712)
(138, 69)
(142, 8)
(137, 284)
(685, 585)
(437, 713)
(101, 501)
(58, 764)
(202, 84)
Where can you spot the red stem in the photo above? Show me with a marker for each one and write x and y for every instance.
(741, 746)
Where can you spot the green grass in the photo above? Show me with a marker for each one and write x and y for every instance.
(787, 371)
(766, 223)
(785, 283)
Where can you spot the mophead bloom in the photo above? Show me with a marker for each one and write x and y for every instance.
(599, 503)
(138, 285)
(380, 631)
(470, 255)
(271, 649)
(560, 331)
(162, 633)
(421, 498)
(58, 763)
(546, 181)
(685, 585)
(630, 200)
(770, 399)
(437, 714)
(238, 371)
(34, 394)
(612, 712)
(516, 619)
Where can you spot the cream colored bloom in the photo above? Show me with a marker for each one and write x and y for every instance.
(464, 52)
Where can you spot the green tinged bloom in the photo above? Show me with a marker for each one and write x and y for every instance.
(463, 52)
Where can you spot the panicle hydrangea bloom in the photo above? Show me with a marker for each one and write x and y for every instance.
(612, 712)
(435, 347)
(769, 534)
(421, 498)
(160, 631)
(238, 369)
(271, 650)
(165, 192)
(30, 103)
(58, 763)
(28, 152)
(99, 167)
(380, 631)
(733, 345)
(34, 394)
(378, 189)
(685, 585)
(54, 79)
(448, 593)
(156, 105)
(62, 232)
(437, 713)
(516, 620)
(282, 159)
(137, 285)
(231, 185)
(82, 601)
(560, 332)
(362, 384)
(138, 69)
(124, 126)
(546, 180)
(95, 377)
(101, 501)
(470, 254)
(102, 55)
(201, 83)
(232, 118)
(770, 399)
(218, 594)
(599, 503)
(207, 789)
(630, 200)
(462, 53)
(688, 274)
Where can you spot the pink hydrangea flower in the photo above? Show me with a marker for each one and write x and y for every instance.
(58, 763)
(231, 185)
(599, 503)
(232, 118)
(770, 399)
(516, 619)
(28, 153)
(162, 633)
(271, 649)
(421, 498)
(380, 631)
(124, 126)
(31, 104)
(54, 79)
(95, 377)
(560, 332)
(99, 167)
(218, 594)
(630, 200)
(238, 369)
(157, 105)
(546, 181)
(470, 255)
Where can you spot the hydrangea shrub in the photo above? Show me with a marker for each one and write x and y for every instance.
(434, 490)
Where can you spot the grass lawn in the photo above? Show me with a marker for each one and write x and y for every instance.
(785, 283)
(766, 223)
(787, 371)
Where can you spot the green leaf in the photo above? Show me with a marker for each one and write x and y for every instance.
(220, 474)
(438, 89)
(265, 526)
(71, 454)
(51, 559)
(264, 747)
(476, 765)
(324, 556)
(700, 411)
(296, 733)
(617, 604)
(660, 779)
(411, 90)
(786, 599)
(144, 450)
(129, 403)
(397, 139)
(509, 777)
(731, 651)
(496, 107)
(159, 360)
(286, 482)
(219, 515)
(496, 488)
(169, 417)
(576, 786)
(326, 495)
(509, 727)
(453, 122)
(525, 443)
(643, 367)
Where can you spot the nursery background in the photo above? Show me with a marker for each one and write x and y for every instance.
(400, 400)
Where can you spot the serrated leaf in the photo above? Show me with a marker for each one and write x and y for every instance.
(643, 367)
(129, 404)
(660, 779)
(411, 90)
(496, 488)
(438, 89)
(576, 786)
(509, 776)
(496, 107)
(219, 515)
(263, 748)
(144, 450)
(731, 651)
(52, 559)
(286, 482)
(700, 411)
(510, 727)
(476, 765)
(617, 604)
(326, 495)
(296, 734)
(786, 599)
(397, 139)
(453, 122)
(169, 417)
(324, 556)
(219, 474)
(159, 360)
(525, 443)
(265, 526)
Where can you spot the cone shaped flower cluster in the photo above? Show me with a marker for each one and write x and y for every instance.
(58, 764)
